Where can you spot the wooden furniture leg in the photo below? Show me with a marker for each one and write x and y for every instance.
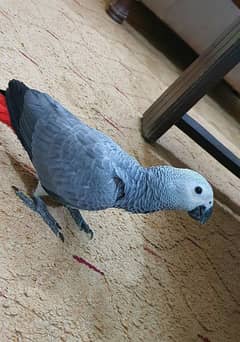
(118, 9)
(196, 80)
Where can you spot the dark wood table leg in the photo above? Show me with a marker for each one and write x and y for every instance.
(193, 84)
(196, 80)
(119, 9)
(210, 144)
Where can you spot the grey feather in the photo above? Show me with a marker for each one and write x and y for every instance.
(75, 163)
(83, 168)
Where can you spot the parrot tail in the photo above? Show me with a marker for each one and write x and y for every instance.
(11, 104)
(15, 101)
(4, 113)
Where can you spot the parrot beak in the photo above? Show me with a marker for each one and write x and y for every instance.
(201, 214)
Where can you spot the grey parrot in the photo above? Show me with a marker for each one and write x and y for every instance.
(82, 168)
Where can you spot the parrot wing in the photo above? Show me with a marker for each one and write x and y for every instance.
(75, 163)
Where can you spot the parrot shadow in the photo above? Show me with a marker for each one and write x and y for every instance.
(29, 178)
(161, 154)
(25, 172)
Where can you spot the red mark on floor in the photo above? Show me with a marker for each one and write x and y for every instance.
(204, 339)
(3, 295)
(76, 2)
(52, 34)
(120, 91)
(110, 121)
(151, 252)
(86, 263)
(29, 58)
(66, 16)
(83, 77)
(4, 13)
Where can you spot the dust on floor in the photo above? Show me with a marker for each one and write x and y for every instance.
(166, 278)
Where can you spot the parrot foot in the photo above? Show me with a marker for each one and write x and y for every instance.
(79, 220)
(37, 204)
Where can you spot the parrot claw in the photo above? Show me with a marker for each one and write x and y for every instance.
(81, 223)
(37, 204)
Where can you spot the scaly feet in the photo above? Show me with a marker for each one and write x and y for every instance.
(81, 223)
(36, 204)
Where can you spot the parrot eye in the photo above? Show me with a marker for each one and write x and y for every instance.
(198, 190)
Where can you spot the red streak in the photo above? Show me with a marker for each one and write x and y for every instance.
(151, 252)
(120, 91)
(108, 120)
(52, 34)
(86, 263)
(3, 295)
(29, 58)
(204, 339)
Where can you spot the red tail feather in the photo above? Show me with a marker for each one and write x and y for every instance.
(4, 113)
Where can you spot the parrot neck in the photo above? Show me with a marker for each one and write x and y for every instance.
(148, 190)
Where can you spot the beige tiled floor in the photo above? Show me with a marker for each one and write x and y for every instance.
(166, 278)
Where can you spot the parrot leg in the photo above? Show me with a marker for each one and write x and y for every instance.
(39, 191)
(38, 205)
(79, 220)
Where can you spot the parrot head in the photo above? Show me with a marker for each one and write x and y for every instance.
(181, 189)
(203, 211)
(196, 195)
